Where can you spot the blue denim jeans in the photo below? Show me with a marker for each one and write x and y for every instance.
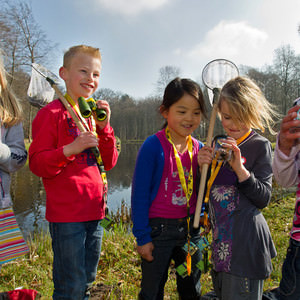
(168, 238)
(76, 248)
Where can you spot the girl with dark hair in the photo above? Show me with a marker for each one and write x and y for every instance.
(164, 193)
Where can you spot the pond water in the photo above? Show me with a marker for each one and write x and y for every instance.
(29, 195)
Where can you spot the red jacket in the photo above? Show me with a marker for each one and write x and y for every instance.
(73, 185)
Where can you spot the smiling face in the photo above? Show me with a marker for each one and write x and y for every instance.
(183, 117)
(81, 76)
(232, 128)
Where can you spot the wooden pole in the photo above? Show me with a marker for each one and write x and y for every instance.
(204, 170)
(69, 108)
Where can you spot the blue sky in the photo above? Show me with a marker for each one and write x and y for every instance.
(138, 37)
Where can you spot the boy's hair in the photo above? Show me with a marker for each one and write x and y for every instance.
(10, 109)
(247, 104)
(69, 54)
(177, 88)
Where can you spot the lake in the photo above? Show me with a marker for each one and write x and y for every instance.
(29, 196)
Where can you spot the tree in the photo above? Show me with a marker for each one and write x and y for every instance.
(269, 82)
(23, 37)
(108, 95)
(23, 40)
(286, 67)
(166, 74)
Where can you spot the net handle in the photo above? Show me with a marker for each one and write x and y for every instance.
(62, 98)
(204, 169)
(67, 105)
(216, 93)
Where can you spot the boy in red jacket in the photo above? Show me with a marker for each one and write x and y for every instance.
(61, 155)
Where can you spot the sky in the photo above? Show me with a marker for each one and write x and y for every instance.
(138, 37)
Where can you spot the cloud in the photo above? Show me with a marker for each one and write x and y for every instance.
(129, 7)
(236, 41)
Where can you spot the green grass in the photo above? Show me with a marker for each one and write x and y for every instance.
(34, 271)
(119, 266)
(279, 216)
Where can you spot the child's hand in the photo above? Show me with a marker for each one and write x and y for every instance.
(287, 136)
(102, 104)
(83, 141)
(236, 159)
(145, 251)
(205, 156)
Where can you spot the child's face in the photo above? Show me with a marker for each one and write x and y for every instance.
(231, 128)
(183, 117)
(81, 76)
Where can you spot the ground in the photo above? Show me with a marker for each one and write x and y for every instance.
(101, 291)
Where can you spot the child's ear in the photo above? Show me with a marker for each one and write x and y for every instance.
(62, 73)
(163, 111)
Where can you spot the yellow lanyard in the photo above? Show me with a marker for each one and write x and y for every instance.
(214, 172)
(215, 169)
(188, 189)
(98, 158)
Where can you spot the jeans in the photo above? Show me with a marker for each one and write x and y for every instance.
(168, 238)
(76, 248)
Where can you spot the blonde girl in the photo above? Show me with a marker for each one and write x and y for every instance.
(238, 189)
(10, 109)
(13, 154)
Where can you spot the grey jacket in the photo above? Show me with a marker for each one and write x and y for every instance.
(13, 156)
(242, 243)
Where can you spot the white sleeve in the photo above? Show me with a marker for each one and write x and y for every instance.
(286, 168)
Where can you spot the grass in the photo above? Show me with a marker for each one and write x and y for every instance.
(119, 266)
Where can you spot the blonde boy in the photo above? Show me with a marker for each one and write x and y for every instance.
(61, 155)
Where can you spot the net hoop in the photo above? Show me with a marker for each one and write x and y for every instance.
(217, 72)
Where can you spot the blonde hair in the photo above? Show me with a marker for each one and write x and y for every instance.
(69, 54)
(247, 104)
(10, 109)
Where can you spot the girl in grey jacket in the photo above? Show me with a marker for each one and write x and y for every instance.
(238, 188)
(13, 156)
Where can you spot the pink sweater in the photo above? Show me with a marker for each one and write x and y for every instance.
(170, 201)
(286, 172)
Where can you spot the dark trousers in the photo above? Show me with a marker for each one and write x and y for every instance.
(289, 288)
(168, 238)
